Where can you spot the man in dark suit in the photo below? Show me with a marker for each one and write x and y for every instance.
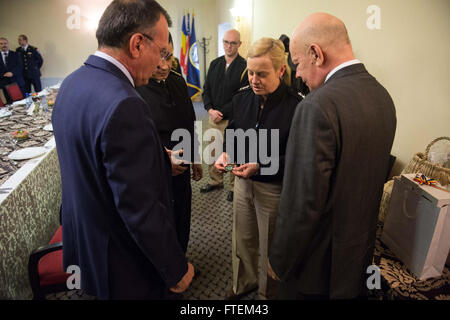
(10, 68)
(336, 163)
(32, 62)
(117, 207)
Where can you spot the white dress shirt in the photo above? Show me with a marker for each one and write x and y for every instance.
(116, 63)
(339, 67)
(4, 54)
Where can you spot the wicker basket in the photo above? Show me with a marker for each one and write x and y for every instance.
(418, 164)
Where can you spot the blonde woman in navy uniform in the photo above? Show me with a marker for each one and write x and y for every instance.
(267, 104)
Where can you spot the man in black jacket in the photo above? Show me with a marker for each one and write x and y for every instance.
(222, 82)
(171, 108)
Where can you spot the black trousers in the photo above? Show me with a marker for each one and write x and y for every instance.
(36, 82)
(182, 193)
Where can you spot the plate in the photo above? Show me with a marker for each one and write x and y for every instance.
(4, 113)
(20, 102)
(48, 127)
(27, 153)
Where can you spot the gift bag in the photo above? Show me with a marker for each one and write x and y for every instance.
(417, 227)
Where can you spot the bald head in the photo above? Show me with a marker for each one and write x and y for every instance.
(231, 44)
(324, 29)
(319, 44)
(232, 34)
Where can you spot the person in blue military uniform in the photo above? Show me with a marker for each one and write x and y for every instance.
(32, 62)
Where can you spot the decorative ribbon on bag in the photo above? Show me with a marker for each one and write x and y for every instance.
(421, 179)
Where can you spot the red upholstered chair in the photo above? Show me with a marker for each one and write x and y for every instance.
(45, 268)
(1, 103)
(14, 92)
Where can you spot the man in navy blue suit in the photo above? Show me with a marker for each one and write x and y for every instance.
(117, 207)
(10, 68)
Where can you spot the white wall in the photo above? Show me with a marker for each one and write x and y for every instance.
(409, 56)
(64, 50)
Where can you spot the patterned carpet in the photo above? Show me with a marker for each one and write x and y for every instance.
(209, 247)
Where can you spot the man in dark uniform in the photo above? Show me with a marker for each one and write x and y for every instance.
(176, 65)
(172, 109)
(32, 62)
(10, 68)
(222, 82)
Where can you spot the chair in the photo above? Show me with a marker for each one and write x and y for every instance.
(1, 103)
(14, 92)
(45, 268)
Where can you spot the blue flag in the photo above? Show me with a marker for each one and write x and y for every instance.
(193, 74)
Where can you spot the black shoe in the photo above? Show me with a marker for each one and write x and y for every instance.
(210, 187)
(230, 196)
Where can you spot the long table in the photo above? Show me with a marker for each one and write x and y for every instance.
(30, 197)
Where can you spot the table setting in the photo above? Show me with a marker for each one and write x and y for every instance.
(30, 187)
(25, 126)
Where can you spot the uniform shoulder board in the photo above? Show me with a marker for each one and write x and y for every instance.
(174, 72)
(244, 88)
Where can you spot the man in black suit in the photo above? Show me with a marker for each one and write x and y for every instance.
(117, 208)
(336, 163)
(32, 62)
(10, 68)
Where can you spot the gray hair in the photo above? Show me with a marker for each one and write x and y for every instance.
(122, 18)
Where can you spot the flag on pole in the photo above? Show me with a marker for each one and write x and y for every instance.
(193, 74)
(184, 47)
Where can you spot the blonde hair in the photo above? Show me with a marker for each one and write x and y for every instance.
(274, 48)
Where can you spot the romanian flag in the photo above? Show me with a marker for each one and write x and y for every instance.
(184, 47)
(193, 73)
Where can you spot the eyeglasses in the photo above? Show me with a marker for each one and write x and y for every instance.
(230, 43)
(164, 54)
